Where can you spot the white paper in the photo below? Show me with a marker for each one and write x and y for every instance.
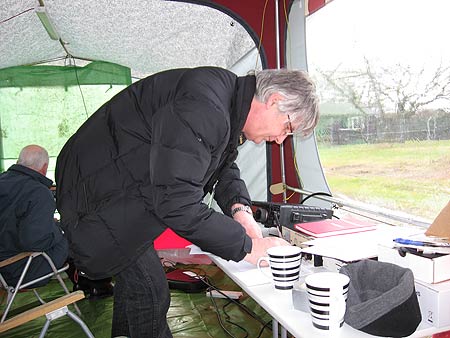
(254, 277)
(357, 246)
(195, 250)
(245, 271)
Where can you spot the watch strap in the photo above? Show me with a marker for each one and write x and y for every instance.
(245, 208)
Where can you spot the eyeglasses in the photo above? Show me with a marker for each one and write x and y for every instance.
(290, 130)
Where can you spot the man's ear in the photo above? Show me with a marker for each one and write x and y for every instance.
(44, 168)
(273, 99)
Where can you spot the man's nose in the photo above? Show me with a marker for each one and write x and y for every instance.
(280, 139)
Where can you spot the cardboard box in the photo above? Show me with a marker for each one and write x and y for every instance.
(425, 269)
(295, 237)
(428, 270)
(441, 225)
(434, 302)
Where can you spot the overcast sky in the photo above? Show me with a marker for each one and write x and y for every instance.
(414, 32)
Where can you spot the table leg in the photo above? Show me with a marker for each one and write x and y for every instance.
(274, 328)
(283, 332)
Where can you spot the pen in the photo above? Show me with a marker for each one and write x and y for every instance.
(420, 243)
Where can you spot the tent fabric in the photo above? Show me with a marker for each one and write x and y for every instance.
(145, 35)
(39, 76)
(152, 35)
(45, 105)
(314, 5)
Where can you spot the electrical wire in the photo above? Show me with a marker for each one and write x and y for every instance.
(228, 319)
(319, 193)
(242, 306)
(201, 274)
(258, 56)
(168, 265)
(288, 30)
(18, 14)
(280, 229)
(262, 329)
(292, 194)
(219, 317)
(79, 87)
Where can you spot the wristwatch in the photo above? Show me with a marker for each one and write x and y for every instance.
(245, 208)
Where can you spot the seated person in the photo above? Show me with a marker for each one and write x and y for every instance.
(27, 222)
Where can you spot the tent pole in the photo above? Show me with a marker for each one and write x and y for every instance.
(2, 159)
(277, 45)
(277, 34)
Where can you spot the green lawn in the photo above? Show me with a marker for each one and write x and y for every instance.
(412, 177)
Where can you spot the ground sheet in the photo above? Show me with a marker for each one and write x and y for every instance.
(191, 315)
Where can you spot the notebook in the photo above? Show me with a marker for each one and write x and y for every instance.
(333, 227)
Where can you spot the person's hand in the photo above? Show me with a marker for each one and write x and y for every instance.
(260, 246)
(252, 228)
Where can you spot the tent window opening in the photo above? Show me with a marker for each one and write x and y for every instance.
(45, 105)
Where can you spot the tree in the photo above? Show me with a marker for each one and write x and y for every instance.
(380, 90)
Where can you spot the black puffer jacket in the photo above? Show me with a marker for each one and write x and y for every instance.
(145, 160)
(27, 209)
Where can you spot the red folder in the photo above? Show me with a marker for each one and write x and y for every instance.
(170, 240)
(333, 227)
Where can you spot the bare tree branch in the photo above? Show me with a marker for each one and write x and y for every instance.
(397, 89)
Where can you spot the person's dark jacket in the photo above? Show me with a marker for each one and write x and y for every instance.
(144, 162)
(27, 209)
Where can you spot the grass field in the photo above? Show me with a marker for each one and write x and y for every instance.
(413, 177)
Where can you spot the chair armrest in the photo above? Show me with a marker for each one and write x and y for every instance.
(16, 258)
(41, 310)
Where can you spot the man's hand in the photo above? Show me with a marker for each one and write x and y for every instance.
(260, 245)
(248, 222)
(252, 228)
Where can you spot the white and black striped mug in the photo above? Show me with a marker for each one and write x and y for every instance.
(284, 263)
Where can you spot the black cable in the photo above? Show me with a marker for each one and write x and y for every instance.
(228, 319)
(219, 317)
(315, 194)
(208, 282)
(242, 306)
(262, 329)
(168, 265)
(280, 229)
(204, 278)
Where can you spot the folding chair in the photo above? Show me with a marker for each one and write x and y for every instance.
(52, 310)
(12, 291)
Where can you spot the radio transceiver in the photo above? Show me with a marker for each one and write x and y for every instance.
(272, 214)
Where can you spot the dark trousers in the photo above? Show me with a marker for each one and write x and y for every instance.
(141, 299)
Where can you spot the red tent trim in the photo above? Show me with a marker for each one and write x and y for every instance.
(314, 5)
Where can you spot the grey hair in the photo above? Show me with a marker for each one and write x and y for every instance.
(301, 101)
(33, 157)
